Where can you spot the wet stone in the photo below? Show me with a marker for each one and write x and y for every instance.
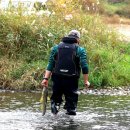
(108, 91)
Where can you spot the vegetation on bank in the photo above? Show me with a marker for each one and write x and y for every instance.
(120, 8)
(26, 41)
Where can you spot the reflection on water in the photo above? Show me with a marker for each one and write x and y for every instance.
(21, 111)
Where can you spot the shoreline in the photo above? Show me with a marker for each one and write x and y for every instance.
(121, 91)
(107, 91)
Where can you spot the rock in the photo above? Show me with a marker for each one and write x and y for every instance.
(110, 91)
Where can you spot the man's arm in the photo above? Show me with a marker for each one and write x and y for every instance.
(50, 67)
(83, 62)
(47, 74)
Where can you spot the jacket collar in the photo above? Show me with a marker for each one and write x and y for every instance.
(70, 40)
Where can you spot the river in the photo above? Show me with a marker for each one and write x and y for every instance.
(21, 111)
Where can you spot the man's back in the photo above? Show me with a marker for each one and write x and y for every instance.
(66, 60)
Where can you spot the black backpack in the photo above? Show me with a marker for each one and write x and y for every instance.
(66, 60)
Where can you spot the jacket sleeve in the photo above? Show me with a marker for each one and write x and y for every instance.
(51, 62)
(83, 60)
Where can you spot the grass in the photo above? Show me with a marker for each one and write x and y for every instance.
(121, 9)
(26, 42)
(112, 8)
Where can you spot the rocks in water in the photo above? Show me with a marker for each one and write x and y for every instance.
(110, 91)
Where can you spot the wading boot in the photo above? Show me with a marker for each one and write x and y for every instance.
(54, 108)
(71, 112)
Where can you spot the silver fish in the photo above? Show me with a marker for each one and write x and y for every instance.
(43, 100)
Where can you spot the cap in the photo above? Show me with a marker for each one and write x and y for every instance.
(74, 33)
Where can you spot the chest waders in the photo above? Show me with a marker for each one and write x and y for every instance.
(65, 78)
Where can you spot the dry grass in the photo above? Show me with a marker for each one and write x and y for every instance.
(115, 19)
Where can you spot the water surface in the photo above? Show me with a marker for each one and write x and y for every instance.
(21, 111)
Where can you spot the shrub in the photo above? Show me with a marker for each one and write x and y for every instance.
(125, 12)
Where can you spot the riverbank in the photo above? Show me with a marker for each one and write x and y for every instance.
(120, 91)
(109, 91)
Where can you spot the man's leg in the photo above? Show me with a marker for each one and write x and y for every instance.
(56, 98)
(71, 97)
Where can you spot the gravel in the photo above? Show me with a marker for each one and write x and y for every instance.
(109, 91)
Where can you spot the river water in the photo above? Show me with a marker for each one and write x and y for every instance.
(21, 111)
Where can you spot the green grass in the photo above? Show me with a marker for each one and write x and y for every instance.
(121, 9)
(112, 8)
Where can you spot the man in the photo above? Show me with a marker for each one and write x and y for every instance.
(65, 62)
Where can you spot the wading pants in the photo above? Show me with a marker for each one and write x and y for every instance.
(66, 86)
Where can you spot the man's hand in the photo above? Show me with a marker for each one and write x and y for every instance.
(44, 83)
(87, 84)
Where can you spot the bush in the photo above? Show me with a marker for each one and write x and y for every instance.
(116, 1)
(125, 12)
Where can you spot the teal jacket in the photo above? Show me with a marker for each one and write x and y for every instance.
(81, 53)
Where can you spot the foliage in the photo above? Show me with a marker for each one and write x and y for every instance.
(117, 7)
(125, 11)
(26, 39)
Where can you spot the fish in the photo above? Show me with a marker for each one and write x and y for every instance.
(43, 100)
